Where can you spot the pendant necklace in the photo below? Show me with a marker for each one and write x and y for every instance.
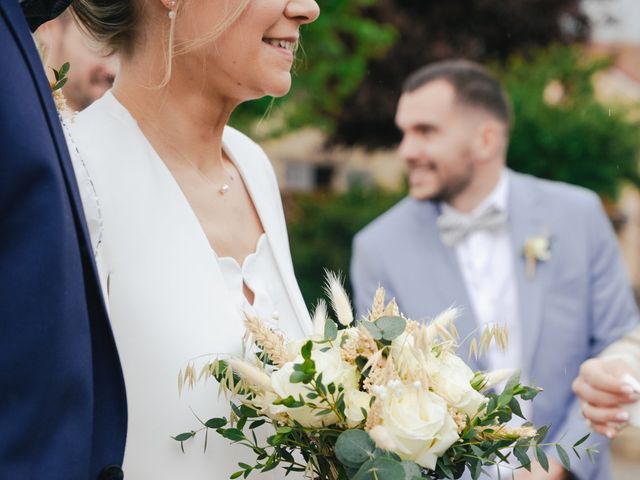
(222, 189)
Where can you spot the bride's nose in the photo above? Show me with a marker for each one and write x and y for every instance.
(303, 11)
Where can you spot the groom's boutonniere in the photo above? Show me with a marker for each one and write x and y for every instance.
(61, 78)
(536, 249)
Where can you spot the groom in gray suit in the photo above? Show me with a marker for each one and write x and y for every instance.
(537, 256)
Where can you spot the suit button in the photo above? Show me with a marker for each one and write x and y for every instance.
(112, 472)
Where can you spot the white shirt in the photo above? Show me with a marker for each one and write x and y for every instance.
(486, 259)
(487, 263)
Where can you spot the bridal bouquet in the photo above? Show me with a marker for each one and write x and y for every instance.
(384, 398)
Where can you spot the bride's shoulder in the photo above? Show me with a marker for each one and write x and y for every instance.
(239, 143)
(244, 149)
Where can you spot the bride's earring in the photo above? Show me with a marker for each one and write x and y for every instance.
(172, 10)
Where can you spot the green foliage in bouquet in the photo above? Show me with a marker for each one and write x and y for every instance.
(385, 398)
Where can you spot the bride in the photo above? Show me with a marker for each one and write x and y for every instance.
(184, 212)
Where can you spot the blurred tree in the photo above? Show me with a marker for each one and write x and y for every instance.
(333, 59)
(434, 30)
(321, 227)
(561, 131)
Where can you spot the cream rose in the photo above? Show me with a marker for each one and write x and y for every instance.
(451, 379)
(417, 423)
(333, 370)
(355, 401)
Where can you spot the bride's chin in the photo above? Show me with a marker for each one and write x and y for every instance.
(280, 87)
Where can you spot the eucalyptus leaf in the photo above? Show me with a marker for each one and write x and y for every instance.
(330, 330)
(515, 408)
(184, 436)
(305, 351)
(233, 434)
(542, 458)
(582, 440)
(383, 468)
(216, 422)
(354, 447)
(411, 470)
(373, 330)
(523, 457)
(391, 327)
(564, 457)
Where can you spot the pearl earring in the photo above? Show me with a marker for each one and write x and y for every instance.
(172, 11)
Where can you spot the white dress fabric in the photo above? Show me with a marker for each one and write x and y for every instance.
(259, 272)
(171, 300)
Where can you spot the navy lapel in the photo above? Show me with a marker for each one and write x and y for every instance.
(444, 276)
(526, 220)
(30, 54)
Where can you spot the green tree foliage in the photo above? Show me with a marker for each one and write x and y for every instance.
(481, 30)
(332, 61)
(578, 140)
(322, 226)
(575, 139)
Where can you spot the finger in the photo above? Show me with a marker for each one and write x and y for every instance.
(605, 429)
(597, 415)
(600, 375)
(599, 398)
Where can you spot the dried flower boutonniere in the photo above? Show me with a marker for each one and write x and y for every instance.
(536, 249)
(56, 86)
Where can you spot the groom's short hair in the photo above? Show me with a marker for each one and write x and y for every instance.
(473, 84)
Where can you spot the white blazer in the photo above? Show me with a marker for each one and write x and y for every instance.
(168, 301)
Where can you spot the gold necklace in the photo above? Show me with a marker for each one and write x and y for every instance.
(222, 189)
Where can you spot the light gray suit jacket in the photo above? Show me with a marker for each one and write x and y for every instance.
(576, 304)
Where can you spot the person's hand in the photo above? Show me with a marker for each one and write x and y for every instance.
(602, 394)
(556, 472)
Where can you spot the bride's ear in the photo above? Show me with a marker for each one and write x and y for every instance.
(170, 5)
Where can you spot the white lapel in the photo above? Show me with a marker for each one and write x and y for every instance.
(526, 220)
(266, 199)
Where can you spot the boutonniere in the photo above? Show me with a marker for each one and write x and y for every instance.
(60, 77)
(536, 249)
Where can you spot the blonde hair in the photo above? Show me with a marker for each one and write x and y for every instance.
(114, 24)
(185, 47)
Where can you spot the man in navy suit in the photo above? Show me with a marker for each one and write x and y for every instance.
(62, 398)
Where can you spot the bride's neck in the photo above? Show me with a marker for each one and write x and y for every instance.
(179, 117)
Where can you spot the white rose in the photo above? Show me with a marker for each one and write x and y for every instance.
(333, 370)
(293, 347)
(417, 423)
(451, 379)
(355, 401)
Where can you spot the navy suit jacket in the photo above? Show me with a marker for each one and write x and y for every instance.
(62, 397)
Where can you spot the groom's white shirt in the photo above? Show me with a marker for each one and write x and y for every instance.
(486, 261)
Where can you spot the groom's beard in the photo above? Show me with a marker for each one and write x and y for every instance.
(454, 186)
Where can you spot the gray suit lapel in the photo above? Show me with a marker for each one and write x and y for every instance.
(443, 275)
(526, 220)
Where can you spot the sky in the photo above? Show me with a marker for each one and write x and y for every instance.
(627, 14)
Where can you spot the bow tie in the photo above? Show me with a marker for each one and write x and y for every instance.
(454, 226)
